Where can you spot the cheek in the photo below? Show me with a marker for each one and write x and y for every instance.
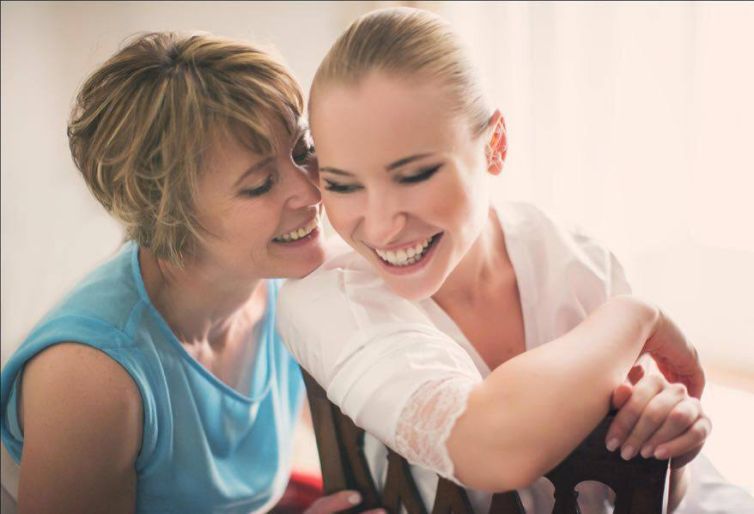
(451, 200)
(250, 223)
(340, 212)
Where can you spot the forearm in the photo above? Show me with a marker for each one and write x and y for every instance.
(512, 432)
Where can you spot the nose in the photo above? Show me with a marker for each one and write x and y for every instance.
(302, 191)
(383, 219)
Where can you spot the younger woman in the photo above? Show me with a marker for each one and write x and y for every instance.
(430, 330)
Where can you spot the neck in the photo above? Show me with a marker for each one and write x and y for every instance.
(200, 304)
(481, 271)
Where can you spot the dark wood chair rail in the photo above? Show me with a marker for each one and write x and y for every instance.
(639, 484)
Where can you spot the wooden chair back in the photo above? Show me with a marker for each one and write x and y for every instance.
(639, 484)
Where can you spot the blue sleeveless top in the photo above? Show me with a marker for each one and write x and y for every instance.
(206, 447)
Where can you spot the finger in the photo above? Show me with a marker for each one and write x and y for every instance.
(695, 384)
(621, 394)
(693, 437)
(683, 415)
(636, 373)
(342, 500)
(652, 418)
(686, 371)
(629, 414)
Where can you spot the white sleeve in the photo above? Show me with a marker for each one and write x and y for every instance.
(710, 493)
(380, 360)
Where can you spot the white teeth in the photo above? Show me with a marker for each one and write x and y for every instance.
(405, 257)
(299, 232)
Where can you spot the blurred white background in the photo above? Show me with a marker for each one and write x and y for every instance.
(633, 121)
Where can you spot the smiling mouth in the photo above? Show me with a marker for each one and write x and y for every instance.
(298, 233)
(409, 255)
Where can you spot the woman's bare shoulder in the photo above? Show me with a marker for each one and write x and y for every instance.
(80, 411)
(77, 381)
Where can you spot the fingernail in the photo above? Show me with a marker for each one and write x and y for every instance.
(627, 452)
(354, 499)
(612, 444)
(661, 453)
(646, 452)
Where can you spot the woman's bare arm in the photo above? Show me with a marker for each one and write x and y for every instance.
(534, 409)
(81, 415)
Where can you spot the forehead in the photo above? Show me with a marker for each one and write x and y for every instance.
(381, 119)
(231, 142)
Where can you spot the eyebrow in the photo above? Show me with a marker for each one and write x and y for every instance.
(300, 131)
(390, 167)
(253, 169)
(405, 160)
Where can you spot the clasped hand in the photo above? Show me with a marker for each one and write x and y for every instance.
(656, 418)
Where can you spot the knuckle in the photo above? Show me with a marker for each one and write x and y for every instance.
(621, 427)
(680, 415)
(700, 431)
(679, 389)
(633, 410)
(655, 416)
(656, 380)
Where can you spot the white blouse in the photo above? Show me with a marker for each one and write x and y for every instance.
(402, 370)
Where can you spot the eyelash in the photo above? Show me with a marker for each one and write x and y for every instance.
(340, 188)
(259, 191)
(423, 175)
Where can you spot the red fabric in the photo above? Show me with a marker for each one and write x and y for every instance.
(302, 490)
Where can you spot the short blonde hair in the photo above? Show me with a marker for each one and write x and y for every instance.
(142, 122)
(406, 42)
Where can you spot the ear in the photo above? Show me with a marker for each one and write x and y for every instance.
(497, 143)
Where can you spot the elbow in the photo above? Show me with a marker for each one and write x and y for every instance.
(490, 451)
(499, 473)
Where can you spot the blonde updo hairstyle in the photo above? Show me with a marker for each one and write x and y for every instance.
(406, 43)
(141, 124)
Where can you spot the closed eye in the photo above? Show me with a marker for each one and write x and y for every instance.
(259, 191)
(421, 176)
(340, 188)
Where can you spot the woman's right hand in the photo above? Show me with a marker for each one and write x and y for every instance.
(338, 502)
(676, 358)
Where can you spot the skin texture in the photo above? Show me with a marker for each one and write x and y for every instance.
(81, 412)
(360, 130)
(82, 436)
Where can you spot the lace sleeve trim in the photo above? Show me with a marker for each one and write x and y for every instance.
(426, 421)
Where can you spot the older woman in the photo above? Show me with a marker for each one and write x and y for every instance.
(159, 383)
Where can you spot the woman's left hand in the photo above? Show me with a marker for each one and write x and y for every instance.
(656, 418)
